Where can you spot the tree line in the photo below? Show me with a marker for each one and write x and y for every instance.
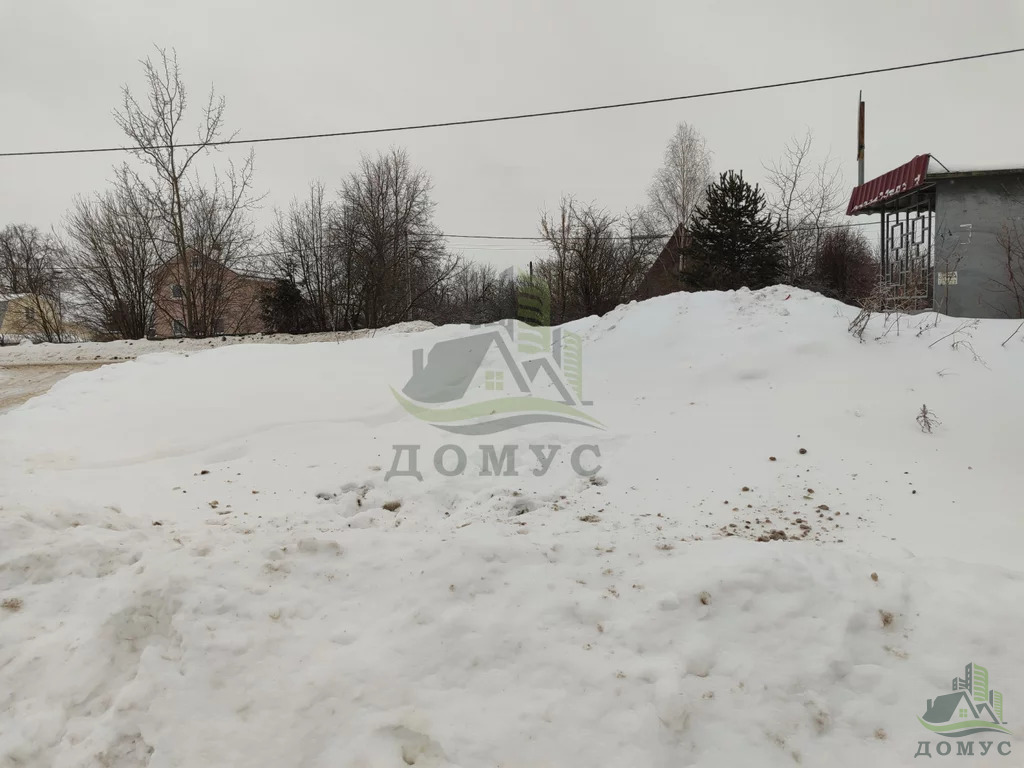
(174, 234)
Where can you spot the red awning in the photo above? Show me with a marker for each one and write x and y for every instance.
(889, 185)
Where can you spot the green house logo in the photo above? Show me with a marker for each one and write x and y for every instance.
(972, 707)
(505, 375)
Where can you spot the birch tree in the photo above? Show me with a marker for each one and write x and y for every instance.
(679, 186)
(806, 200)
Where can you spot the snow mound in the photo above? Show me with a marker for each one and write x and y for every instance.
(205, 562)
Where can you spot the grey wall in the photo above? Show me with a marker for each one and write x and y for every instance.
(970, 214)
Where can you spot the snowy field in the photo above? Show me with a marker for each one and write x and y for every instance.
(202, 563)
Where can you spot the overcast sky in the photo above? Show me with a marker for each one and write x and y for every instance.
(308, 66)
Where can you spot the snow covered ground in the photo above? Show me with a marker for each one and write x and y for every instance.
(114, 351)
(28, 370)
(202, 563)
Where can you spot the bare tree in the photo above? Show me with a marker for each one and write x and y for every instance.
(398, 255)
(114, 247)
(679, 185)
(806, 200)
(29, 265)
(203, 222)
(597, 259)
(476, 294)
(1011, 283)
(310, 238)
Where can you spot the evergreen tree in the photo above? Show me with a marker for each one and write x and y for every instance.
(734, 242)
(285, 309)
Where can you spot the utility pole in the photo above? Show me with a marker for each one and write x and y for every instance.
(860, 139)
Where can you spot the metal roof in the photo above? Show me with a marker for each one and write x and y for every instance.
(899, 181)
(919, 174)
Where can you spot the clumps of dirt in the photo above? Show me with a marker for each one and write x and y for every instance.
(705, 598)
(886, 617)
(874, 577)
(12, 604)
(589, 519)
(779, 526)
(802, 451)
(392, 506)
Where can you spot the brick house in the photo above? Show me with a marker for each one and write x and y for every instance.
(203, 297)
(665, 274)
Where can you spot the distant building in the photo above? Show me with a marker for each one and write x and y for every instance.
(665, 274)
(27, 316)
(206, 298)
(951, 240)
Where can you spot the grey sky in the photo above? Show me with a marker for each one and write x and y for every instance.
(315, 65)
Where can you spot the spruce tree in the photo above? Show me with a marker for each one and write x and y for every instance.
(734, 242)
(285, 309)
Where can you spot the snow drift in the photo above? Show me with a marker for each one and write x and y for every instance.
(201, 562)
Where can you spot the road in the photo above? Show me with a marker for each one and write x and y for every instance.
(22, 382)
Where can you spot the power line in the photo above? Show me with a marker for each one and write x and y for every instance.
(529, 115)
(542, 241)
